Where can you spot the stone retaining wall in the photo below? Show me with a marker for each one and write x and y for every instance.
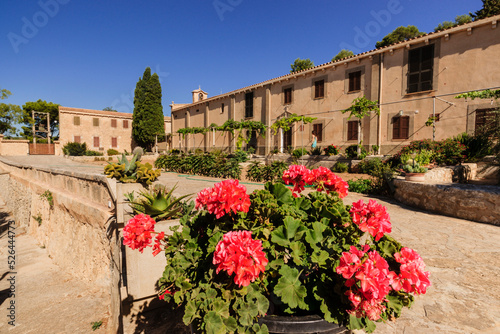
(481, 204)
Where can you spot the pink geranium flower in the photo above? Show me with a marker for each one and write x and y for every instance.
(412, 277)
(137, 232)
(238, 253)
(225, 197)
(372, 218)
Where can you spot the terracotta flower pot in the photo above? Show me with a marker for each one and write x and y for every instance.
(415, 177)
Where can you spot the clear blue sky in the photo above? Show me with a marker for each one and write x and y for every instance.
(90, 54)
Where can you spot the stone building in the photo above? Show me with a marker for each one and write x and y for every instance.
(101, 130)
(412, 80)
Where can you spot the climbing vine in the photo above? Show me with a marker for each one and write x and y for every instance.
(194, 130)
(287, 122)
(483, 94)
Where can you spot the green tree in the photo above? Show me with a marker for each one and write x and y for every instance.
(148, 121)
(10, 114)
(45, 107)
(360, 108)
(108, 109)
(343, 54)
(398, 35)
(461, 19)
(490, 8)
(301, 64)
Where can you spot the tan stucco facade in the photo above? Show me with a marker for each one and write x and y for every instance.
(464, 58)
(101, 130)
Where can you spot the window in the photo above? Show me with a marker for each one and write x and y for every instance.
(77, 139)
(96, 121)
(420, 65)
(484, 118)
(400, 127)
(76, 120)
(249, 105)
(114, 142)
(222, 108)
(355, 81)
(318, 129)
(125, 124)
(113, 123)
(319, 89)
(287, 95)
(352, 130)
(96, 142)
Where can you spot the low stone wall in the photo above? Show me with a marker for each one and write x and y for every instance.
(477, 203)
(78, 228)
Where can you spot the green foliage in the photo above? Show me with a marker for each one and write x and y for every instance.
(483, 94)
(331, 150)
(448, 152)
(351, 152)
(362, 107)
(10, 114)
(207, 164)
(96, 325)
(47, 195)
(490, 8)
(257, 172)
(375, 149)
(38, 219)
(370, 166)
(414, 168)
(343, 54)
(109, 109)
(460, 19)
(340, 167)
(91, 153)
(361, 186)
(112, 151)
(286, 123)
(301, 64)
(148, 120)
(297, 153)
(315, 151)
(158, 203)
(240, 156)
(399, 34)
(131, 171)
(193, 130)
(40, 106)
(74, 149)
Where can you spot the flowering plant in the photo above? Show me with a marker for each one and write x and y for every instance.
(332, 150)
(239, 257)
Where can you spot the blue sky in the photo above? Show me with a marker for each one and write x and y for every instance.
(90, 54)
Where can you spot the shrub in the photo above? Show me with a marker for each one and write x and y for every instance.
(476, 147)
(91, 153)
(75, 149)
(340, 167)
(315, 151)
(332, 150)
(370, 166)
(112, 151)
(255, 171)
(272, 172)
(352, 152)
(299, 152)
(362, 186)
(240, 156)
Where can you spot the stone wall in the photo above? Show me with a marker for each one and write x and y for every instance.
(477, 203)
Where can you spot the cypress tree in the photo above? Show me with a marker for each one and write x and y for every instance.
(490, 8)
(147, 121)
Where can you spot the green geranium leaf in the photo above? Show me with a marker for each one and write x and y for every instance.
(260, 329)
(247, 312)
(315, 235)
(355, 322)
(190, 312)
(320, 257)
(291, 226)
(282, 194)
(394, 305)
(290, 289)
(214, 323)
(298, 251)
(221, 307)
(278, 236)
(231, 324)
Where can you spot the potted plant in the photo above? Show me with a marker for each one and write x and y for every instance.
(414, 172)
(239, 263)
(332, 150)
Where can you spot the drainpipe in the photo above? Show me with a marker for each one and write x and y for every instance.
(434, 118)
(379, 125)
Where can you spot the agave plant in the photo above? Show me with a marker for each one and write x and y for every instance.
(157, 203)
(132, 171)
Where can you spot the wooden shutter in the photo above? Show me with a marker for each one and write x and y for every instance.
(78, 139)
(318, 129)
(354, 81)
(319, 89)
(352, 130)
(401, 127)
(249, 105)
(96, 141)
(113, 123)
(287, 96)
(125, 124)
(76, 120)
(96, 121)
(114, 142)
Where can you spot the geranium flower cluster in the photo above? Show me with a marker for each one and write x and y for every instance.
(368, 279)
(238, 253)
(137, 234)
(412, 277)
(372, 218)
(225, 197)
(322, 178)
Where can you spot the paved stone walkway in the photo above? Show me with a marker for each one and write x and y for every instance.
(461, 255)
